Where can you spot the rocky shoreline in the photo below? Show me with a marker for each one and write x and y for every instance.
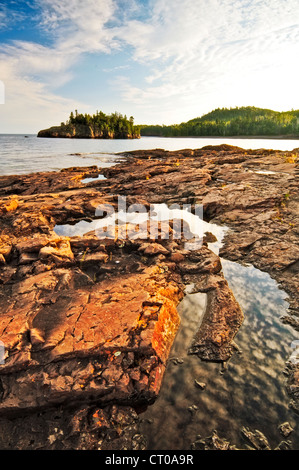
(88, 323)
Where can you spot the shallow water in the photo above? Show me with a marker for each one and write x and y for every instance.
(194, 227)
(250, 392)
(91, 180)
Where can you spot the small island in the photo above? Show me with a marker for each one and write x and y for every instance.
(96, 126)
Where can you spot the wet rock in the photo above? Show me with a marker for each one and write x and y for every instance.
(193, 409)
(256, 438)
(292, 385)
(153, 249)
(177, 360)
(201, 261)
(199, 444)
(285, 429)
(36, 337)
(213, 442)
(209, 282)
(93, 258)
(291, 320)
(200, 385)
(177, 257)
(58, 253)
(82, 428)
(221, 322)
(284, 445)
(11, 205)
(209, 237)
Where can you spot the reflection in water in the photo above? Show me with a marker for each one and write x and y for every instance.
(250, 392)
(90, 180)
(195, 225)
(79, 229)
(264, 172)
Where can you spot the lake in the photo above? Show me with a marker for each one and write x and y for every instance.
(21, 153)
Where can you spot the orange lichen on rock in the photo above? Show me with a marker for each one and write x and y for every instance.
(165, 329)
(11, 206)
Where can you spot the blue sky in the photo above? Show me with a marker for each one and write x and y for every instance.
(161, 61)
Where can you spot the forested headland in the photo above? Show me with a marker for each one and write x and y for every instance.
(239, 121)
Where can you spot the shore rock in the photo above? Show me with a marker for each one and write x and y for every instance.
(88, 323)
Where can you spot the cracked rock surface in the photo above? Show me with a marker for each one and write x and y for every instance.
(88, 323)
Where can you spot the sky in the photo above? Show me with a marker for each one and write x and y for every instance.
(160, 61)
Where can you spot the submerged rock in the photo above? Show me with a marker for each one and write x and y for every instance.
(220, 324)
(201, 385)
(256, 438)
(213, 442)
(286, 429)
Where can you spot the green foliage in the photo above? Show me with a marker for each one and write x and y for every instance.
(245, 121)
(114, 123)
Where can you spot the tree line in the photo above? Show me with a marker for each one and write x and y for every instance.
(107, 123)
(231, 122)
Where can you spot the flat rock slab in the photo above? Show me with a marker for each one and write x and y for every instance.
(103, 341)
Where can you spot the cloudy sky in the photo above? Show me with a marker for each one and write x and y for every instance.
(162, 61)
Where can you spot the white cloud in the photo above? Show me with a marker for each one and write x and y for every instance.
(28, 103)
(2, 19)
(116, 68)
(205, 54)
(80, 25)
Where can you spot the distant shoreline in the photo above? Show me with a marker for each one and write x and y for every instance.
(256, 137)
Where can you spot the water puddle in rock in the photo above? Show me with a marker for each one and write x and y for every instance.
(90, 180)
(75, 230)
(105, 216)
(198, 397)
(267, 172)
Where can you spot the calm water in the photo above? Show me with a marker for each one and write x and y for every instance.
(20, 154)
(250, 392)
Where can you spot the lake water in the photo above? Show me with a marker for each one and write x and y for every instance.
(21, 154)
